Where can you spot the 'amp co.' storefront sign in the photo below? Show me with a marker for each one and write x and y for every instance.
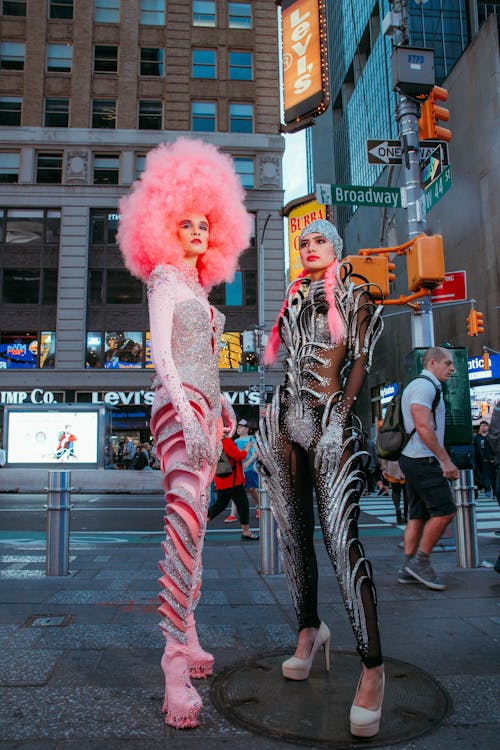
(113, 398)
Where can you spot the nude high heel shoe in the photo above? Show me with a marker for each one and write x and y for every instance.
(182, 703)
(200, 662)
(365, 722)
(298, 669)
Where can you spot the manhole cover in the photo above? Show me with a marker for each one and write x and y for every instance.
(315, 712)
(47, 621)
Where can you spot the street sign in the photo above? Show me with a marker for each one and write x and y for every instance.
(452, 289)
(358, 195)
(436, 190)
(391, 152)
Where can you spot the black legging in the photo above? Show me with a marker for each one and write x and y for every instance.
(239, 495)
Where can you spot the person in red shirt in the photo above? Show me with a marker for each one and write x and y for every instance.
(232, 487)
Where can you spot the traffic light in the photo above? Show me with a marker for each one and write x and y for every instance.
(425, 263)
(375, 269)
(486, 361)
(475, 323)
(479, 322)
(431, 114)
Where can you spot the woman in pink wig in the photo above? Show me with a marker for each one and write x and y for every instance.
(309, 440)
(182, 229)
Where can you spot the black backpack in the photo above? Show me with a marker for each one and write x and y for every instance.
(392, 436)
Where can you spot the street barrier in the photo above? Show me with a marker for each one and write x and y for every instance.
(58, 517)
(463, 488)
(270, 560)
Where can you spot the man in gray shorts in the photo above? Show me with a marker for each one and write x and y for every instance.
(427, 468)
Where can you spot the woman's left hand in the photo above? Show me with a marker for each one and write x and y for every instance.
(228, 417)
(330, 446)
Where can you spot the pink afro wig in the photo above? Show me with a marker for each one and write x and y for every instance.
(187, 176)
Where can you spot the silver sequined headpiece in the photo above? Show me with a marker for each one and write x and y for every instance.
(327, 229)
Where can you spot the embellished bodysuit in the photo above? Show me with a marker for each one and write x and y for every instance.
(310, 415)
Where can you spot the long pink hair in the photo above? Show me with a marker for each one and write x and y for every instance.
(335, 322)
(185, 177)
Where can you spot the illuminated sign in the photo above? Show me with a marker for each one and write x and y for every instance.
(299, 218)
(305, 61)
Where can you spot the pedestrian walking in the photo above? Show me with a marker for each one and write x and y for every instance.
(427, 467)
(486, 469)
(393, 474)
(246, 441)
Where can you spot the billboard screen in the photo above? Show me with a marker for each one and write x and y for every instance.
(51, 436)
(298, 218)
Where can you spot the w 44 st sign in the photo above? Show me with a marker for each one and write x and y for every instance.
(435, 190)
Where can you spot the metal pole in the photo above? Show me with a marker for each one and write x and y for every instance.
(463, 488)
(270, 561)
(58, 508)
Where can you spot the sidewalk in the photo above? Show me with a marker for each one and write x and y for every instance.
(95, 680)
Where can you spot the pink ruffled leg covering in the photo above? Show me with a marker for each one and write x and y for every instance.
(185, 523)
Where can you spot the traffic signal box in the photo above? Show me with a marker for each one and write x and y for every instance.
(375, 269)
(425, 263)
(431, 114)
(475, 323)
(486, 361)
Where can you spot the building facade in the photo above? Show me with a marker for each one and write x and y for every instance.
(86, 89)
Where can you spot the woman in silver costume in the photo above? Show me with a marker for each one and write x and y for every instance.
(181, 230)
(310, 440)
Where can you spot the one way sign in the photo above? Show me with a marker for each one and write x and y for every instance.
(391, 152)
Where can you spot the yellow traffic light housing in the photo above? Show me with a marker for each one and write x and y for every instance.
(471, 323)
(376, 269)
(431, 114)
(425, 263)
(479, 322)
(486, 361)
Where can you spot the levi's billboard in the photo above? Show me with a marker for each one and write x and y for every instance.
(305, 61)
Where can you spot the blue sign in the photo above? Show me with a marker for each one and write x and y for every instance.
(477, 371)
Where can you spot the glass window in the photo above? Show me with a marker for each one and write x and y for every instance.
(49, 167)
(32, 226)
(240, 118)
(245, 168)
(107, 11)
(10, 110)
(11, 55)
(123, 349)
(103, 226)
(103, 113)
(95, 287)
(56, 113)
(14, 8)
(105, 58)
(239, 15)
(150, 115)
(234, 291)
(59, 58)
(21, 286)
(203, 12)
(122, 288)
(140, 165)
(240, 66)
(9, 167)
(18, 350)
(151, 61)
(48, 349)
(49, 286)
(152, 12)
(93, 355)
(203, 63)
(203, 116)
(106, 169)
(61, 9)
(250, 287)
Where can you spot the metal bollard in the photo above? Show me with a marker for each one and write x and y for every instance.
(58, 508)
(463, 488)
(270, 559)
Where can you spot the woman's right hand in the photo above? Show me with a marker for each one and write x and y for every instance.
(198, 447)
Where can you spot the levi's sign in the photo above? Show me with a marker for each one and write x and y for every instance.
(358, 195)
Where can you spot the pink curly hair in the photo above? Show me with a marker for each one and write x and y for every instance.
(185, 177)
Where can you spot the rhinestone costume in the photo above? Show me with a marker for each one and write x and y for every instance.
(186, 424)
(309, 439)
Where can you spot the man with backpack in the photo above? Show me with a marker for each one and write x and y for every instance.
(427, 468)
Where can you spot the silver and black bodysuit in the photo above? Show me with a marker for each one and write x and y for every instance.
(309, 440)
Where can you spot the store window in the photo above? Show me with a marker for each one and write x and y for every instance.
(9, 166)
(32, 226)
(245, 169)
(103, 113)
(21, 286)
(204, 13)
(240, 118)
(105, 58)
(56, 113)
(240, 65)
(241, 292)
(239, 15)
(107, 11)
(106, 169)
(49, 167)
(122, 289)
(59, 58)
(10, 110)
(103, 226)
(150, 115)
(11, 56)
(204, 63)
(151, 61)
(203, 116)
(61, 9)
(152, 12)
(14, 7)
(140, 165)
(49, 286)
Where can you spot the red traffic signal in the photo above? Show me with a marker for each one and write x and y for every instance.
(431, 114)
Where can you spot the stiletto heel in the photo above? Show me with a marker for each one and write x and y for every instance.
(200, 662)
(298, 669)
(365, 722)
(182, 703)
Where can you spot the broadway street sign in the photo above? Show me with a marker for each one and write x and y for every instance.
(391, 152)
(358, 195)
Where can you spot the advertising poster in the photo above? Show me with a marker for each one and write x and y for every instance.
(122, 349)
(18, 352)
(231, 351)
(298, 218)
